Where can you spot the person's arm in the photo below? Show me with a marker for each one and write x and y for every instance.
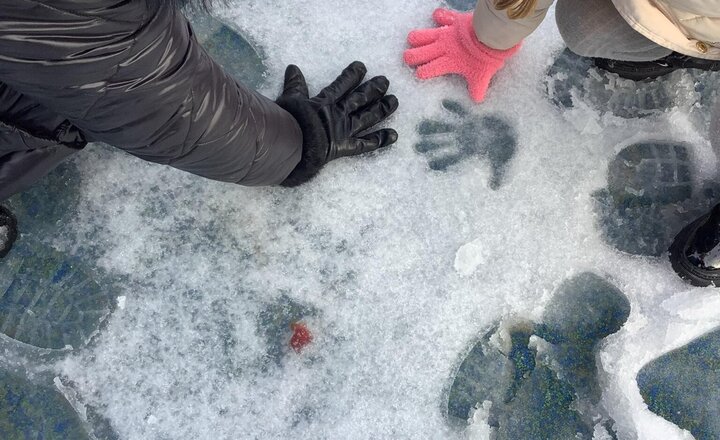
(473, 45)
(497, 30)
(131, 74)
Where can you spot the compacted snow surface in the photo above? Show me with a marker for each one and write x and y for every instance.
(396, 262)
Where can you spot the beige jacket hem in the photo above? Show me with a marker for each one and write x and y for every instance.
(648, 18)
(660, 21)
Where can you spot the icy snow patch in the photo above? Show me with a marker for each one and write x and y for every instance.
(693, 305)
(469, 257)
(479, 428)
(382, 246)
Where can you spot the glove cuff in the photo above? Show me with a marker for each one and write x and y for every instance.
(315, 140)
(475, 47)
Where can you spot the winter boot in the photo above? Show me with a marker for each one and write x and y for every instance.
(8, 230)
(639, 70)
(695, 252)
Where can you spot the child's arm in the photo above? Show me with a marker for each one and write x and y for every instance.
(474, 46)
(496, 30)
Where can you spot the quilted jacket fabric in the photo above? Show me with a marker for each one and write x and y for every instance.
(691, 27)
(131, 74)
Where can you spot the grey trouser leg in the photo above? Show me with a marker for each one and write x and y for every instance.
(24, 158)
(20, 170)
(594, 28)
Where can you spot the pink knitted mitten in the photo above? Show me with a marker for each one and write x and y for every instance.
(454, 48)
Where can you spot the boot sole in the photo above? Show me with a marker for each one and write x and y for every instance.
(681, 264)
(635, 73)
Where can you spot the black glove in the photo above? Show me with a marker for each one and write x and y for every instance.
(332, 122)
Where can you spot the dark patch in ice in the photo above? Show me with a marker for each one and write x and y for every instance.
(304, 415)
(480, 377)
(462, 5)
(99, 426)
(460, 136)
(274, 324)
(50, 209)
(573, 79)
(707, 109)
(651, 172)
(542, 410)
(50, 300)
(95, 423)
(583, 311)
(544, 394)
(241, 59)
(222, 332)
(682, 385)
(650, 197)
(8, 230)
(49, 204)
(30, 411)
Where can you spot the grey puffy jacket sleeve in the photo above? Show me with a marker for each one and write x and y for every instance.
(130, 73)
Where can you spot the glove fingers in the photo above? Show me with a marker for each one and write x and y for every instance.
(370, 142)
(350, 78)
(444, 17)
(377, 139)
(368, 92)
(295, 84)
(437, 67)
(478, 86)
(423, 37)
(373, 114)
(422, 55)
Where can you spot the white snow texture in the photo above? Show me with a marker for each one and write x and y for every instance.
(405, 266)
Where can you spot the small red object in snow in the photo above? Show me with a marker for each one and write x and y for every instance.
(301, 336)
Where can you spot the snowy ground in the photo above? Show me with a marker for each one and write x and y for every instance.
(396, 264)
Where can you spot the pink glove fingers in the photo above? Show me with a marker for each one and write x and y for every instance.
(437, 67)
(422, 55)
(478, 87)
(454, 48)
(444, 17)
(423, 37)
